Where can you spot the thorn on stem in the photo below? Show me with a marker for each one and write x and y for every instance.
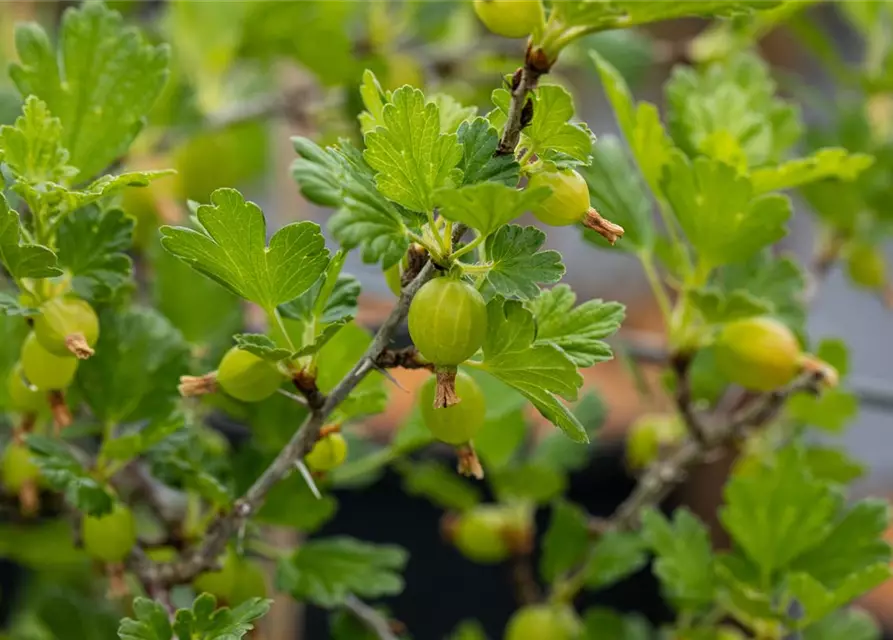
(390, 377)
(308, 478)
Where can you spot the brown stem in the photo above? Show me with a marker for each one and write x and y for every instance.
(680, 363)
(306, 384)
(406, 358)
(524, 81)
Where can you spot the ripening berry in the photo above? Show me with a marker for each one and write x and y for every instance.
(866, 267)
(511, 18)
(480, 535)
(238, 580)
(67, 326)
(247, 377)
(460, 422)
(448, 321)
(110, 537)
(329, 452)
(540, 621)
(648, 435)
(18, 468)
(22, 396)
(760, 354)
(44, 370)
(569, 201)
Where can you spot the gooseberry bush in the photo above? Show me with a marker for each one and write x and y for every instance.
(128, 327)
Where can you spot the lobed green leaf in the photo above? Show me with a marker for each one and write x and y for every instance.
(326, 571)
(230, 248)
(100, 81)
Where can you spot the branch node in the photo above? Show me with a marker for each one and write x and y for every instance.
(242, 508)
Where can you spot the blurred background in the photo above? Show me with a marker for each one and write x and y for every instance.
(248, 75)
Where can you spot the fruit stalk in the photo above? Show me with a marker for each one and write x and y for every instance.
(445, 391)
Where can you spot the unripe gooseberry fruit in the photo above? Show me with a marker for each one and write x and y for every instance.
(67, 326)
(540, 621)
(648, 435)
(480, 535)
(43, 369)
(18, 468)
(250, 583)
(110, 537)
(447, 324)
(221, 583)
(460, 422)
(760, 354)
(448, 321)
(329, 452)
(247, 377)
(392, 277)
(569, 201)
(866, 267)
(510, 18)
(22, 396)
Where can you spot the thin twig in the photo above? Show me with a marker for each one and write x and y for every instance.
(524, 81)
(666, 473)
(373, 620)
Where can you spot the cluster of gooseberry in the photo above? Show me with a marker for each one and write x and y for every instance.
(238, 579)
(64, 330)
(448, 324)
(249, 378)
